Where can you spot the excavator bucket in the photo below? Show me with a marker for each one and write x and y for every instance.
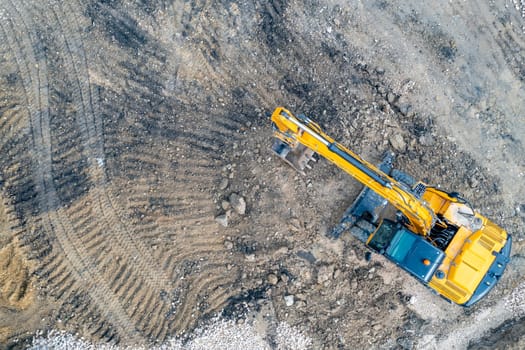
(298, 157)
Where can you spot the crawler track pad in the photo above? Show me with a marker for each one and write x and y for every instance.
(368, 202)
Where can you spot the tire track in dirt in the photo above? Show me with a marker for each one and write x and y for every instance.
(93, 138)
(142, 159)
(503, 33)
(193, 243)
(12, 118)
(37, 94)
(17, 289)
(101, 227)
(104, 212)
(206, 281)
(18, 187)
(480, 324)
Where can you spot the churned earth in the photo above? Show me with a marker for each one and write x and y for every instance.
(140, 200)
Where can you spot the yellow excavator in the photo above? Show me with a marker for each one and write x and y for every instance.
(434, 235)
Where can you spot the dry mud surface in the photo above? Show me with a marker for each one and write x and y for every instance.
(127, 126)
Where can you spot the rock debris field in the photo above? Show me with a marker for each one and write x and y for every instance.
(140, 205)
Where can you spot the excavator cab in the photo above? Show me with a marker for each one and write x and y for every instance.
(409, 251)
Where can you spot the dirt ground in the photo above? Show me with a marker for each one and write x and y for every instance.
(127, 126)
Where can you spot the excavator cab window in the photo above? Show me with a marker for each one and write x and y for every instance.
(383, 235)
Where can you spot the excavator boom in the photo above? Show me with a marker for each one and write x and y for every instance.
(293, 130)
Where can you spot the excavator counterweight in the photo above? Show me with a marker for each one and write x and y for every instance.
(435, 236)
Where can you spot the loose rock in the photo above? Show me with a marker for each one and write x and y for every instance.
(405, 108)
(289, 300)
(294, 224)
(473, 182)
(520, 210)
(398, 142)
(281, 251)
(353, 284)
(222, 220)
(225, 205)
(238, 203)
(325, 273)
(391, 97)
(272, 279)
(426, 140)
(223, 184)
(300, 304)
